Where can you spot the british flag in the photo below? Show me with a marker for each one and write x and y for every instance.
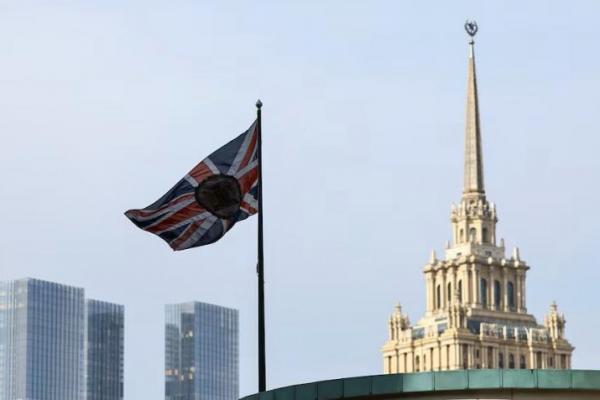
(207, 202)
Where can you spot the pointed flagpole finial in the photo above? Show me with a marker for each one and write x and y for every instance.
(258, 104)
(471, 27)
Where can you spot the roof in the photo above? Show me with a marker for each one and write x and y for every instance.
(439, 381)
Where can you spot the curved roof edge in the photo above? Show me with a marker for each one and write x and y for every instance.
(475, 379)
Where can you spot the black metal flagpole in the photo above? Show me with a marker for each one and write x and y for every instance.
(262, 369)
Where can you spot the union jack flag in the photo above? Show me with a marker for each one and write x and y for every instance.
(206, 203)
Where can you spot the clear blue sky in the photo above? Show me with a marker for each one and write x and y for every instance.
(104, 105)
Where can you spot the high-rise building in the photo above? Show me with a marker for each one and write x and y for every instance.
(104, 350)
(201, 352)
(43, 341)
(476, 314)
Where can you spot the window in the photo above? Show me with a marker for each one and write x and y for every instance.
(500, 360)
(465, 356)
(511, 361)
(472, 234)
(462, 235)
(490, 357)
(460, 291)
(438, 297)
(449, 292)
(563, 361)
(484, 235)
(483, 289)
(510, 291)
(522, 363)
(538, 359)
(417, 364)
(447, 356)
(497, 293)
(424, 362)
(551, 362)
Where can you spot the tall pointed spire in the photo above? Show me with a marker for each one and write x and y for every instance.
(473, 184)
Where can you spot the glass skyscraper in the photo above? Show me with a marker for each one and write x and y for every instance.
(43, 341)
(104, 350)
(201, 352)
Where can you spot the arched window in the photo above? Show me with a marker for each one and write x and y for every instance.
(500, 360)
(438, 298)
(417, 366)
(460, 291)
(511, 361)
(462, 235)
(484, 299)
(449, 293)
(522, 363)
(472, 235)
(497, 293)
(484, 235)
(510, 291)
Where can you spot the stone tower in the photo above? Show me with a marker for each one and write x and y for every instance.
(476, 315)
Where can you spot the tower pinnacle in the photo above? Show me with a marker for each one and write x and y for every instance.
(473, 182)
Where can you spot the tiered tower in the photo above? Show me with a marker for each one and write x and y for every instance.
(476, 313)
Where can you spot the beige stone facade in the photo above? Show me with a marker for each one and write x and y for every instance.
(476, 314)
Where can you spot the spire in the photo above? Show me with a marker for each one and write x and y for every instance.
(473, 183)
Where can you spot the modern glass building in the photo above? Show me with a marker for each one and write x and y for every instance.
(43, 344)
(41, 341)
(104, 350)
(201, 352)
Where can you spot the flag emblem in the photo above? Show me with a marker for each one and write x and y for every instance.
(207, 202)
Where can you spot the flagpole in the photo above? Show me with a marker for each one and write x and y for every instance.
(262, 369)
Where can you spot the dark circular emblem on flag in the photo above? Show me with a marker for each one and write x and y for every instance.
(220, 195)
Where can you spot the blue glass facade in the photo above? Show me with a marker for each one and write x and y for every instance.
(104, 350)
(43, 346)
(201, 352)
(42, 341)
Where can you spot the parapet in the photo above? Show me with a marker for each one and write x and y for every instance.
(522, 384)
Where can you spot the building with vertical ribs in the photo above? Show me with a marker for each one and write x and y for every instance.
(476, 313)
(201, 352)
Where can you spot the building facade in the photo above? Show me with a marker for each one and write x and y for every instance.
(476, 314)
(43, 341)
(201, 352)
(104, 350)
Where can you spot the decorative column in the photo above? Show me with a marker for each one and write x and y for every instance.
(524, 290)
(443, 302)
(505, 306)
(475, 285)
(518, 290)
(430, 289)
(453, 282)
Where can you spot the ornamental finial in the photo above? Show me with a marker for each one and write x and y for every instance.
(258, 104)
(471, 28)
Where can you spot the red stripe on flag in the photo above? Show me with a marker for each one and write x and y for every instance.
(177, 217)
(249, 150)
(189, 231)
(247, 180)
(200, 172)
